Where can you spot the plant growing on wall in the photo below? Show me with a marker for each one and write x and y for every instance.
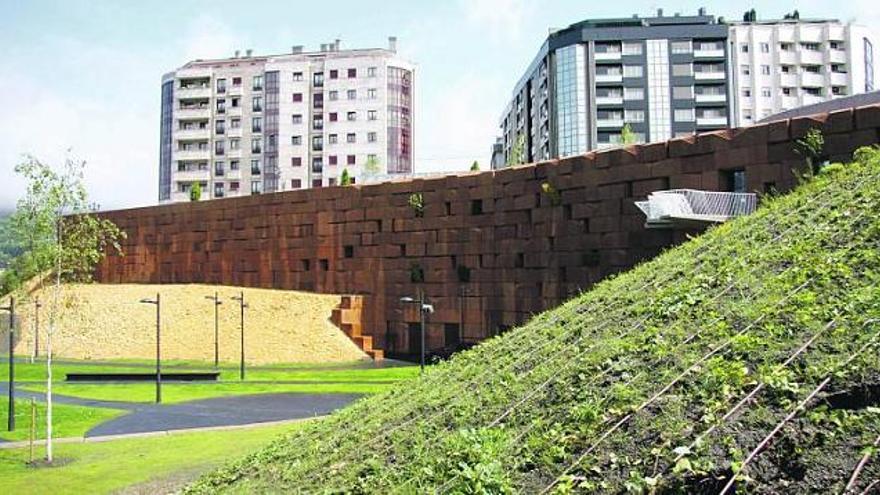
(417, 203)
(60, 238)
(810, 147)
(416, 273)
(518, 151)
(475, 167)
(345, 178)
(552, 194)
(195, 192)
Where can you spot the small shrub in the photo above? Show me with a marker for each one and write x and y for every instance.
(810, 147)
(464, 274)
(195, 192)
(548, 190)
(416, 273)
(417, 203)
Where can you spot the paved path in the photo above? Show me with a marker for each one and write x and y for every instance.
(220, 411)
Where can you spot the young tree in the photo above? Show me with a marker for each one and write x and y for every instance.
(810, 147)
(372, 167)
(475, 167)
(518, 151)
(345, 178)
(60, 237)
(627, 136)
(195, 193)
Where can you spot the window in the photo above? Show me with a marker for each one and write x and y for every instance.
(318, 79)
(745, 70)
(785, 69)
(256, 187)
(747, 115)
(332, 160)
(837, 90)
(334, 74)
(219, 147)
(351, 116)
(255, 167)
(257, 104)
(331, 181)
(258, 83)
(350, 159)
(679, 47)
(633, 116)
(371, 93)
(234, 143)
(221, 85)
(733, 180)
(371, 137)
(295, 183)
(318, 101)
(317, 183)
(813, 47)
(684, 115)
(236, 81)
(296, 161)
(334, 116)
(236, 102)
(747, 93)
(682, 92)
(351, 94)
(317, 165)
(744, 47)
(297, 97)
(786, 47)
(256, 146)
(235, 123)
(297, 118)
(220, 127)
(633, 71)
(371, 115)
(352, 73)
(350, 137)
(333, 138)
(333, 95)
(296, 140)
(765, 70)
(218, 190)
(221, 106)
(836, 45)
(371, 72)
(233, 165)
(765, 47)
(318, 122)
(631, 48)
(788, 91)
(682, 70)
(812, 69)
(869, 64)
(219, 168)
(257, 124)
(297, 76)
(633, 93)
(317, 143)
(765, 92)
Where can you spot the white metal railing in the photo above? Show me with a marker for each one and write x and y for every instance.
(665, 207)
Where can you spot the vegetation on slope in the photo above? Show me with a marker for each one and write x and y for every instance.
(665, 379)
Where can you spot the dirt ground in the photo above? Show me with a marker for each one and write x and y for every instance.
(108, 322)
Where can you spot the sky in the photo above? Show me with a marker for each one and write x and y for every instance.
(82, 78)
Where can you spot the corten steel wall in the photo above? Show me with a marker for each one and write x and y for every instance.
(524, 251)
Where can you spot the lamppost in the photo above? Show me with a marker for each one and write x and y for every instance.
(242, 305)
(11, 420)
(423, 309)
(217, 303)
(37, 306)
(158, 304)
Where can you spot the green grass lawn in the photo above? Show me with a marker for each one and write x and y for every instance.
(68, 421)
(152, 464)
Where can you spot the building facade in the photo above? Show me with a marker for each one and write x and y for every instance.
(778, 65)
(662, 77)
(254, 124)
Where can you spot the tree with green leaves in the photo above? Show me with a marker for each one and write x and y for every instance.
(372, 168)
(61, 240)
(195, 192)
(345, 178)
(810, 147)
(518, 151)
(475, 167)
(627, 136)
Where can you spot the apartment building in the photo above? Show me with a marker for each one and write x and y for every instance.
(255, 124)
(778, 65)
(663, 76)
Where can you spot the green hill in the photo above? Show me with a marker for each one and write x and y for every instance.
(662, 379)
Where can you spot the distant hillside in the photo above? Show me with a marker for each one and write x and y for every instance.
(8, 248)
(666, 379)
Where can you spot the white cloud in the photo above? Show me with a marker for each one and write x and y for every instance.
(502, 20)
(208, 37)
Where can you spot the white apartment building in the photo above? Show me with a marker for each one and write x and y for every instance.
(254, 124)
(778, 65)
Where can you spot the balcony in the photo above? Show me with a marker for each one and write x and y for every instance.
(809, 57)
(191, 134)
(837, 56)
(609, 123)
(788, 57)
(192, 112)
(191, 175)
(709, 75)
(809, 99)
(609, 100)
(788, 80)
(192, 154)
(712, 121)
(839, 78)
(717, 52)
(609, 55)
(195, 91)
(710, 98)
(811, 80)
(612, 77)
(790, 102)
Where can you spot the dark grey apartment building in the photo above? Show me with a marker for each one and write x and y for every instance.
(664, 76)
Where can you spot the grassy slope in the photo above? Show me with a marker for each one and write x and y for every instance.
(156, 464)
(68, 421)
(539, 404)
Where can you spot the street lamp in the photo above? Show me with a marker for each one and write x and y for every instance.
(158, 304)
(11, 420)
(423, 309)
(217, 303)
(242, 305)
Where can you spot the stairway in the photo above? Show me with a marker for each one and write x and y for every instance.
(349, 317)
